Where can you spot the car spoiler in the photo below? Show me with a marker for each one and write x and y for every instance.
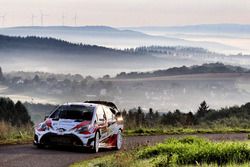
(106, 103)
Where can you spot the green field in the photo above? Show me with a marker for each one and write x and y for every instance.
(188, 151)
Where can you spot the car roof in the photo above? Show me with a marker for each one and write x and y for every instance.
(93, 104)
(80, 104)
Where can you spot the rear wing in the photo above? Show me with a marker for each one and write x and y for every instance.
(106, 103)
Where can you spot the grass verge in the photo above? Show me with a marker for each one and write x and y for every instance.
(188, 151)
(172, 131)
(24, 134)
(15, 135)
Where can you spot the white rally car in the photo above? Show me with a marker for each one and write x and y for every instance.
(92, 124)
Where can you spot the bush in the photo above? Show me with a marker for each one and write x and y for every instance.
(10, 134)
(193, 150)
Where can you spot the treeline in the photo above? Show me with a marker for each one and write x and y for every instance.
(55, 45)
(184, 70)
(34, 43)
(56, 84)
(168, 50)
(14, 113)
(236, 116)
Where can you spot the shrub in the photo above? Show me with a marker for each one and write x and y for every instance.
(10, 134)
(193, 150)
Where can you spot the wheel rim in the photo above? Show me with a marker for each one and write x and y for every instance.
(97, 142)
(119, 140)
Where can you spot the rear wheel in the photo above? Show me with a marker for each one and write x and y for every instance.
(119, 140)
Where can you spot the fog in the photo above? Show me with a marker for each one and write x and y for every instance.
(237, 35)
(117, 38)
(164, 94)
(161, 93)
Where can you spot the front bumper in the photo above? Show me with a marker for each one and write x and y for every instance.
(69, 139)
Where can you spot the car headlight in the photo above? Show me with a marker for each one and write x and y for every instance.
(42, 127)
(119, 119)
(83, 130)
(45, 125)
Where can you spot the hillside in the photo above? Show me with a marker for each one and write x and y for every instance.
(232, 29)
(59, 56)
(205, 68)
(109, 37)
(31, 43)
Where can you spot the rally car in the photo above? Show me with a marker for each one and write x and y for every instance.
(90, 124)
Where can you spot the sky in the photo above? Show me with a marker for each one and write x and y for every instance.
(121, 13)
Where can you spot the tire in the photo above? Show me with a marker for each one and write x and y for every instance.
(119, 140)
(40, 146)
(95, 149)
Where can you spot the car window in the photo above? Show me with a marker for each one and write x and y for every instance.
(100, 114)
(109, 114)
(76, 112)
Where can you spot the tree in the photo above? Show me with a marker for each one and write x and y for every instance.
(106, 77)
(203, 110)
(1, 74)
(16, 114)
(149, 118)
(22, 114)
(139, 117)
(36, 78)
(190, 119)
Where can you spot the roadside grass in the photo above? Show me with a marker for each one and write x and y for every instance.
(189, 130)
(188, 151)
(15, 135)
(24, 134)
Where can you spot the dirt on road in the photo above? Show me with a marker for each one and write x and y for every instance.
(29, 156)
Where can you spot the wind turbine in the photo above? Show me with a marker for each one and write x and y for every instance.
(42, 17)
(75, 19)
(63, 18)
(32, 19)
(3, 19)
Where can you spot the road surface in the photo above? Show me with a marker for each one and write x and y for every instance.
(29, 156)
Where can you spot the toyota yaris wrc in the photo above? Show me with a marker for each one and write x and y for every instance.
(92, 124)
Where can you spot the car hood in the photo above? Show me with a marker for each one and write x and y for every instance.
(68, 124)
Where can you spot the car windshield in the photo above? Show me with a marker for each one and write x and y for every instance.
(76, 112)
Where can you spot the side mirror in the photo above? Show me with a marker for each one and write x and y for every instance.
(46, 116)
(118, 114)
(118, 117)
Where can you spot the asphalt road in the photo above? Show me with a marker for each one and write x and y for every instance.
(29, 156)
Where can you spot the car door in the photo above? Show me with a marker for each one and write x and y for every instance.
(110, 121)
(101, 122)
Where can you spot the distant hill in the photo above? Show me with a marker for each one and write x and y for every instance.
(59, 56)
(32, 43)
(202, 28)
(57, 46)
(205, 68)
(108, 36)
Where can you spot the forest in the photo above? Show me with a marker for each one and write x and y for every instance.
(184, 70)
(206, 117)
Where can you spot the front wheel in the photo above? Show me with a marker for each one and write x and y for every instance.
(96, 143)
(40, 146)
(119, 140)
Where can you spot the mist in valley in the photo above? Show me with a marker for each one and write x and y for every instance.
(48, 70)
(162, 93)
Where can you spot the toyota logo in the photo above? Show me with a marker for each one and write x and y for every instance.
(60, 130)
